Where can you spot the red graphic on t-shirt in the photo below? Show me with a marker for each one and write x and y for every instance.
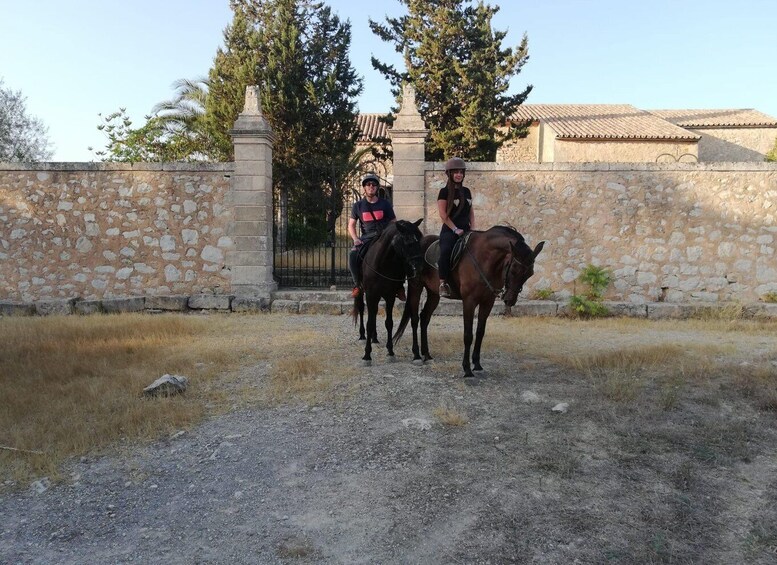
(367, 216)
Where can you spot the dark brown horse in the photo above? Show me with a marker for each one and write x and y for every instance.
(494, 263)
(392, 258)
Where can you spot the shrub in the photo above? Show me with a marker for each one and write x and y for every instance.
(590, 304)
(772, 155)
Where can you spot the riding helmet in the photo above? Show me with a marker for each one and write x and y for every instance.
(455, 163)
(370, 177)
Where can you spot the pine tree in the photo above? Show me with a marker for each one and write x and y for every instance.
(460, 72)
(235, 66)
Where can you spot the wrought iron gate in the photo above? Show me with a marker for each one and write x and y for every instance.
(311, 241)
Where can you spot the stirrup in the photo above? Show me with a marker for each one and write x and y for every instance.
(445, 290)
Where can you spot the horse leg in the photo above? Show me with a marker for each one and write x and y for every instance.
(359, 307)
(372, 314)
(389, 325)
(413, 302)
(432, 300)
(469, 316)
(483, 313)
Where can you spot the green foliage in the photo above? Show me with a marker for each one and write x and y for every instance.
(771, 156)
(22, 137)
(152, 142)
(590, 304)
(460, 72)
(597, 279)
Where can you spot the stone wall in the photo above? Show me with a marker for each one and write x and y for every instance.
(101, 230)
(673, 233)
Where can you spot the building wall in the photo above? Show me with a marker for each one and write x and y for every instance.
(735, 144)
(102, 230)
(581, 151)
(674, 233)
(523, 150)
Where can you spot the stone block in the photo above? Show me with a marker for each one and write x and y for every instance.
(210, 302)
(626, 309)
(250, 305)
(668, 311)
(16, 309)
(322, 307)
(252, 275)
(761, 311)
(535, 308)
(86, 307)
(54, 307)
(122, 305)
(170, 303)
(285, 306)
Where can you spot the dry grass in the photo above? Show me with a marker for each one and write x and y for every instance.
(73, 385)
(449, 416)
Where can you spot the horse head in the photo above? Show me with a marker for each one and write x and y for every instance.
(519, 271)
(407, 244)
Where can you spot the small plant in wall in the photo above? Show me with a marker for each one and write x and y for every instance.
(543, 294)
(770, 297)
(589, 305)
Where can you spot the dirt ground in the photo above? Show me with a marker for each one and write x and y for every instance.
(374, 476)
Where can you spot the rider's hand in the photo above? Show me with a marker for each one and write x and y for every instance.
(357, 242)
(458, 231)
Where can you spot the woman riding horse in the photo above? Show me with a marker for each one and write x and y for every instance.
(494, 263)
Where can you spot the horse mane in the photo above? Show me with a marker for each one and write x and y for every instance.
(507, 231)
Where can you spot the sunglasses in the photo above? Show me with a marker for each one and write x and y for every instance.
(370, 183)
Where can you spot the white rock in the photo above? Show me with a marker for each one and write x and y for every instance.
(530, 397)
(417, 424)
(561, 407)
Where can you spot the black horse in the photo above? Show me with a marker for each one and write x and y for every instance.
(494, 263)
(393, 257)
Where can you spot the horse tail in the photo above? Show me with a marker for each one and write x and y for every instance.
(358, 308)
(402, 324)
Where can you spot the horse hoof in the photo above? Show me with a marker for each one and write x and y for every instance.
(362, 339)
(477, 368)
(366, 362)
(428, 358)
(418, 361)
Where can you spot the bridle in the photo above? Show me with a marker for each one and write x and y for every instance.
(406, 260)
(499, 293)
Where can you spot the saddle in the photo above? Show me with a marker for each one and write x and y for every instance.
(432, 255)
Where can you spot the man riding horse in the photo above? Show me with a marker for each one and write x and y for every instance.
(373, 214)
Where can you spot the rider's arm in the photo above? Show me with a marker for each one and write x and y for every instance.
(352, 230)
(442, 208)
(471, 217)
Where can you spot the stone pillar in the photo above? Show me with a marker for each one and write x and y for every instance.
(251, 259)
(407, 140)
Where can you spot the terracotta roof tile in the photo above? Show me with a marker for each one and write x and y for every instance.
(745, 117)
(371, 128)
(602, 122)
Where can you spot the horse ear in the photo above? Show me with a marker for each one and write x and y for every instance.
(418, 222)
(539, 247)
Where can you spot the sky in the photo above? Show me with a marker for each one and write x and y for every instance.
(76, 59)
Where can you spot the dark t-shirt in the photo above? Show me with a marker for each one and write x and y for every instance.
(461, 207)
(372, 222)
